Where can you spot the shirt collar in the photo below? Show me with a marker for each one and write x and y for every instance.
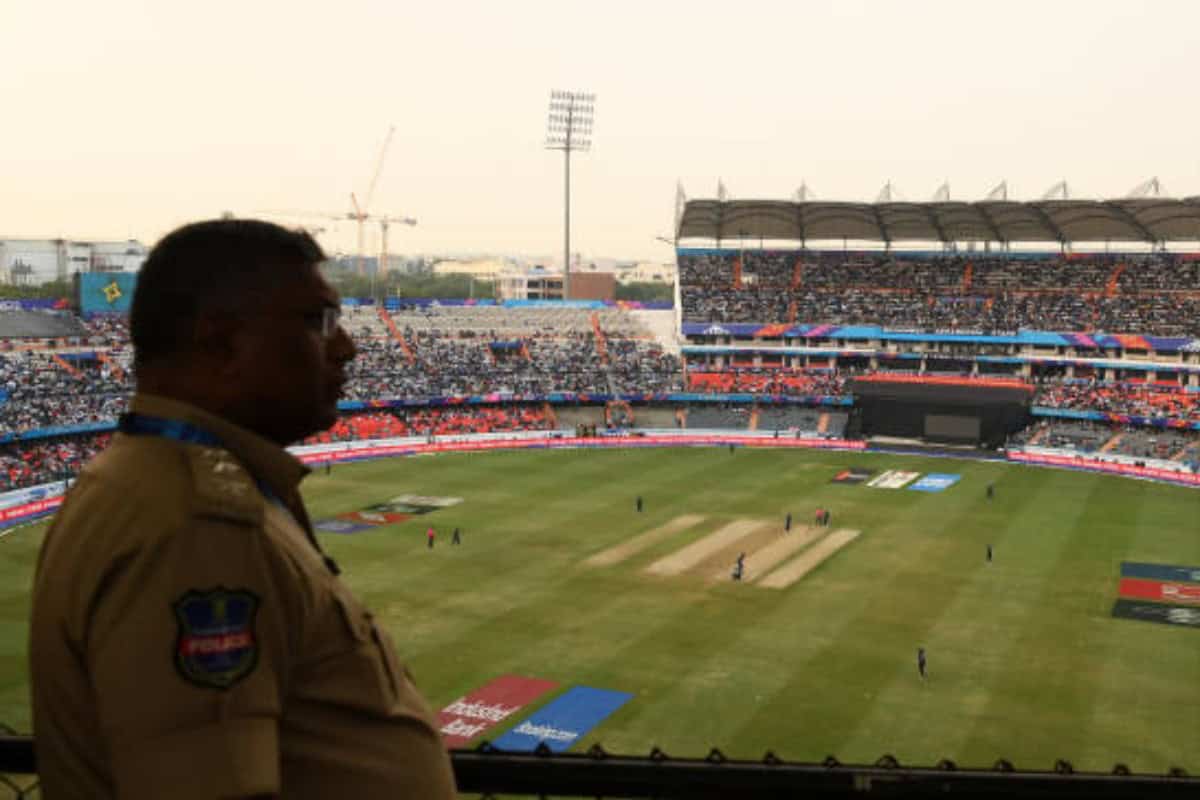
(265, 460)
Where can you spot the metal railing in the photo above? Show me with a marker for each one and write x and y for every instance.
(597, 773)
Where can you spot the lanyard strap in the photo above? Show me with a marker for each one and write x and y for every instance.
(180, 431)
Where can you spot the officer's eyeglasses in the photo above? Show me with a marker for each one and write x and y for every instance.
(327, 321)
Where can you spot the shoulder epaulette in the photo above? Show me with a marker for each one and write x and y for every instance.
(222, 488)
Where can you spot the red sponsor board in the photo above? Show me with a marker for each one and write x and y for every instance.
(1075, 462)
(374, 517)
(1181, 594)
(488, 706)
(629, 441)
(30, 509)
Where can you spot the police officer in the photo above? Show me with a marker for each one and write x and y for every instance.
(189, 639)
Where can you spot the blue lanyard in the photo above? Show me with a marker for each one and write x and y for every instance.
(180, 431)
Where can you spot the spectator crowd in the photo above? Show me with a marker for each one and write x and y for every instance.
(437, 421)
(1155, 294)
(1148, 400)
(498, 352)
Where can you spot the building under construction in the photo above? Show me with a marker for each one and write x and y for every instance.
(37, 261)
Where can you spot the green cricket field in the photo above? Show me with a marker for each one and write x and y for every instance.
(813, 652)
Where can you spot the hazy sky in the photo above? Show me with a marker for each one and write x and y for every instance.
(126, 118)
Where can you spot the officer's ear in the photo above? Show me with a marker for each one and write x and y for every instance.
(214, 337)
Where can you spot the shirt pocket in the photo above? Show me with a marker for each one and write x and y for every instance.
(370, 641)
(347, 664)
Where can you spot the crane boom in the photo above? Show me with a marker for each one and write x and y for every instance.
(383, 151)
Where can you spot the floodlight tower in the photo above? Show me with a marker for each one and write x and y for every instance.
(569, 128)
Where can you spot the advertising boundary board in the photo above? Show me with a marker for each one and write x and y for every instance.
(357, 451)
(1180, 478)
(935, 482)
(1160, 572)
(564, 720)
(19, 507)
(1167, 592)
(1124, 608)
(484, 708)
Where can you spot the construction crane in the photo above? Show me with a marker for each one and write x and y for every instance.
(360, 214)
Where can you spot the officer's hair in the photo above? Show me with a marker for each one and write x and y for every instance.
(222, 265)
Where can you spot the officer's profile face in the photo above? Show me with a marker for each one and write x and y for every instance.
(289, 360)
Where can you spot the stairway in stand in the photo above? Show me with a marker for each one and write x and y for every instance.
(601, 342)
(111, 364)
(62, 362)
(397, 335)
(1114, 281)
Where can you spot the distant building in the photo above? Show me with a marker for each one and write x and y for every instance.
(37, 261)
(402, 264)
(536, 283)
(593, 286)
(647, 272)
(539, 283)
(487, 268)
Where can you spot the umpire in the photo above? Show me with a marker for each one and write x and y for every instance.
(189, 639)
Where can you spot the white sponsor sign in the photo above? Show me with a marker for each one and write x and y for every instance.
(546, 732)
(425, 500)
(893, 479)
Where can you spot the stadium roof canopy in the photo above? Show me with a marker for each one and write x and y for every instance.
(1144, 219)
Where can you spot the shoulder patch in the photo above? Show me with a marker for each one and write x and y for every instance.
(223, 488)
(216, 645)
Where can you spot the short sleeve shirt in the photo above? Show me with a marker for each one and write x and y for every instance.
(190, 640)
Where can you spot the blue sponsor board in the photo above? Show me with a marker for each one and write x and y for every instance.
(935, 482)
(1159, 572)
(562, 722)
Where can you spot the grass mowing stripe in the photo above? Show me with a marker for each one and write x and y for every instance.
(968, 643)
(890, 616)
(1139, 663)
(1056, 637)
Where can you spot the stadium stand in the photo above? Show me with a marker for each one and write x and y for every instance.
(711, 416)
(805, 420)
(1148, 400)
(32, 463)
(430, 351)
(1155, 294)
(1074, 435)
(436, 421)
(759, 380)
(17, 325)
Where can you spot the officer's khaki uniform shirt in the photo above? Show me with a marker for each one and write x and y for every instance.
(190, 641)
